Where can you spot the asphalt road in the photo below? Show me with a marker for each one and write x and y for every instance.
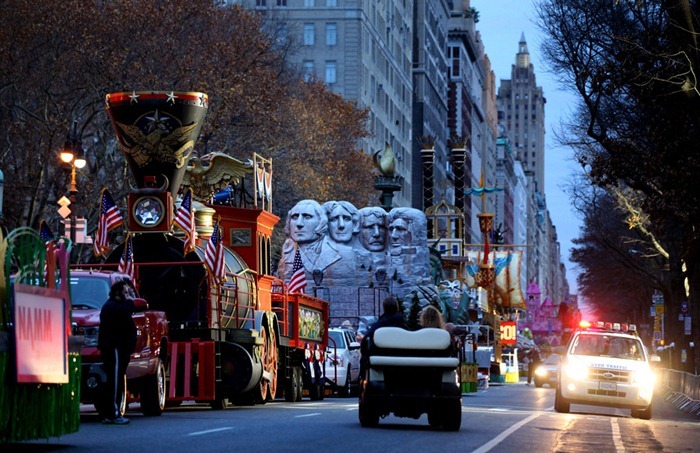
(505, 418)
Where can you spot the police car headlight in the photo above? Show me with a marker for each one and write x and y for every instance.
(644, 379)
(575, 370)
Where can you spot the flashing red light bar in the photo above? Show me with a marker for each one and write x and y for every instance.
(584, 324)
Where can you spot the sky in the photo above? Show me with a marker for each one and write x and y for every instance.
(501, 24)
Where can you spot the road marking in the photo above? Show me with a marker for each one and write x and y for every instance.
(209, 431)
(501, 437)
(308, 415)
(616, 435)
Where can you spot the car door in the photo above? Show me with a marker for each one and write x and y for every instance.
(353, 356)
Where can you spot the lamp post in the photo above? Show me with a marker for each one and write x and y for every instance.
(73, 155)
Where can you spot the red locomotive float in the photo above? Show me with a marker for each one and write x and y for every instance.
(238, 338)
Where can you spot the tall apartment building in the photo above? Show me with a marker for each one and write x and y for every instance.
(521, 111)
(421, 70)
(521, 114)
(430, 103)
(363, 50)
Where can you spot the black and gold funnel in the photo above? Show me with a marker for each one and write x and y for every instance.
(157, 131)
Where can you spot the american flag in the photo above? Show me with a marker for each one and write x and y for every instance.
(214, 256)
(185, 220)
(110, 218)
(297, 283)
(126, 263)
(48, 237)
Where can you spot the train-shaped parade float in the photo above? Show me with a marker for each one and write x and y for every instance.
(236, 333)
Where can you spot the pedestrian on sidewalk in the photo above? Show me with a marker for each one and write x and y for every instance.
(534, 359)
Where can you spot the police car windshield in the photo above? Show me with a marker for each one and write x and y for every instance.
(608, 346)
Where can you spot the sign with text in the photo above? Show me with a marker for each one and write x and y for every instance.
(40, 335)
(509, 333)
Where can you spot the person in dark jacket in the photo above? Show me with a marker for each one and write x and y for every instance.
(534, 360)
(391, 317)
(116, 341)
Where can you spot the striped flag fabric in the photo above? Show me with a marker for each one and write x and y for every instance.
(110, 218)
(184, 219)
(126, 262)
(214, 255)
(297, 284)
(48, 237)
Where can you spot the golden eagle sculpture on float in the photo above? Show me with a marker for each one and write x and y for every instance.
(158, 144)
(222, 171)
(386, 162)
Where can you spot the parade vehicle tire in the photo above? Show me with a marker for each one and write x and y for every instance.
(153, 392)
(300, 383)
(452, 416)
(560, 404)
(346, 389)
(268, 389)
(643, 414)
(291, 386)
(538, 383)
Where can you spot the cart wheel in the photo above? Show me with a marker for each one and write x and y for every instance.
(369, 416)
(452, 420)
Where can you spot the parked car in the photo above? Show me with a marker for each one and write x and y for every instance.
(146, 373)
(546, 372)
(343, 361)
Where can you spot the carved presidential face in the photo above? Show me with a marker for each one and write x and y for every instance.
(304, 222)
(373, 231)
(398, 233)
(340, 224)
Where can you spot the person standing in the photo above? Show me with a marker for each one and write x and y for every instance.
(534, 360)
(116, 341)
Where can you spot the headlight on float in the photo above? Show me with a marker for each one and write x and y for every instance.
(540, 372)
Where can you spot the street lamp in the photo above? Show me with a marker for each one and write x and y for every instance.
(73, 155)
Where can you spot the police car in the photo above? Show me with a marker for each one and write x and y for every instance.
(606, 364)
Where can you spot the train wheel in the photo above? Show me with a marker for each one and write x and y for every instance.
(268, 388)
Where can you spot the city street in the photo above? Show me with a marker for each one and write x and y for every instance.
(504, 418)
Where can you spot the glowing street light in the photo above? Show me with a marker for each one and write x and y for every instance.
(73, 154)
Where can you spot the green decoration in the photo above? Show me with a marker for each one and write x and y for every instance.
(31, 411)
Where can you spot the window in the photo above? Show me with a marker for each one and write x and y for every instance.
(260, 2)
(309, 3)
(281, 2)
(331, 3)
(308, 69)
(308, 34)
(330, 72)
(331, 34)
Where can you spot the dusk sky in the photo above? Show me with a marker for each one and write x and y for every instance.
(501, 23)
